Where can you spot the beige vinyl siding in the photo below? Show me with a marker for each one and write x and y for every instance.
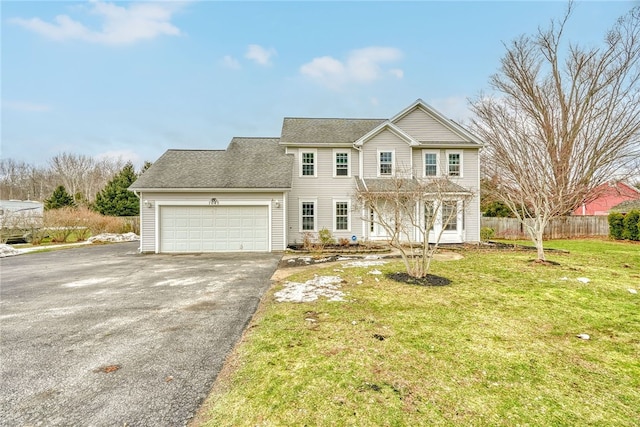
(148, 215)
(469, 180)
(324, 188)
(423, 127)
(385, 141)
(147, 225)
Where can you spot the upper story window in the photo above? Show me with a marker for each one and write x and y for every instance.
(454, 164)
(430, 163)
(385, 163)
(308, 163)
(342, 163)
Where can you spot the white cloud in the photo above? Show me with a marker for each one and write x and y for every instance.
(374, 101)
(229, 61)
(29, 107)
(360, 66)
(259, 54)
(121, 25)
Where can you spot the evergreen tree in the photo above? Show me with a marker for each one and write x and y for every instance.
(59, 199)
(115, 199)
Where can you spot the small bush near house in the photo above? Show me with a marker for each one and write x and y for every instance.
(486, 233)
(343, 241)
(308, 241)
(630, 225)
(616, 225)
(326, 238)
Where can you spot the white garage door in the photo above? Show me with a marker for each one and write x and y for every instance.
(214, 228)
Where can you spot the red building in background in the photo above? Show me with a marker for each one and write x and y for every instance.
(607, 196)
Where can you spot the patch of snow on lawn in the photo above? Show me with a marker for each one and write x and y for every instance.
(110, 237)
(363, 263)
(8, 250)
(311, 290)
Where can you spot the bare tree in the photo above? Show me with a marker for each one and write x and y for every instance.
(15, 180)
(73, 171)
(83, 176)
(414, 214)
(562, 122)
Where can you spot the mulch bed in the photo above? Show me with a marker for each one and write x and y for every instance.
(428, 280)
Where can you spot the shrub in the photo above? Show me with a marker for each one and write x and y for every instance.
(630, 225)
(343, 241)
(61, 223)
(82, 223)
(487, 233)
(326, 238)
(498, 209)
(307, 241)
(616, 225)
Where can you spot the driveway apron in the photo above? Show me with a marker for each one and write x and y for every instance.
(104, 336)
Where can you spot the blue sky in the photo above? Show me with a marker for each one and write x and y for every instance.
(131, 80)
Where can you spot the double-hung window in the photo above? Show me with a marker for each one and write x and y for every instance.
(341, 216)
(308, 215)
(342, 163)
(454, 164)
(385, 163)
(308, 163)
(430, 163)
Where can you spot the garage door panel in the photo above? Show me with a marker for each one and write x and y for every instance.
(214, 228)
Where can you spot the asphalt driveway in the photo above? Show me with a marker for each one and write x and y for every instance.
(103, 336)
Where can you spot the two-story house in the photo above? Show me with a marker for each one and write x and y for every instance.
(262, 194)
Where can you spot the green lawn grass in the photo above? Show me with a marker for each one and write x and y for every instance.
(497, 347)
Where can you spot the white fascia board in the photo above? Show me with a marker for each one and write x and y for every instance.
(448, 145)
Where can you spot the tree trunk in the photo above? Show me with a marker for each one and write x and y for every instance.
(536, 231)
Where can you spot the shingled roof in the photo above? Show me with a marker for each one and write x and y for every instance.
(386, 185)
(246, 163)
(325, 131)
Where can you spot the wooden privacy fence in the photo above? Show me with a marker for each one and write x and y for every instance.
(559, 228)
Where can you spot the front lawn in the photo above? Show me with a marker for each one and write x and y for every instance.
(497, 347)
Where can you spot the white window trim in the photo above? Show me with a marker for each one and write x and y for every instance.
(393, 163)
(461, 162)
(315, 215)
(335, 217)
(315, 163)
(335, 164)
(424, 163)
